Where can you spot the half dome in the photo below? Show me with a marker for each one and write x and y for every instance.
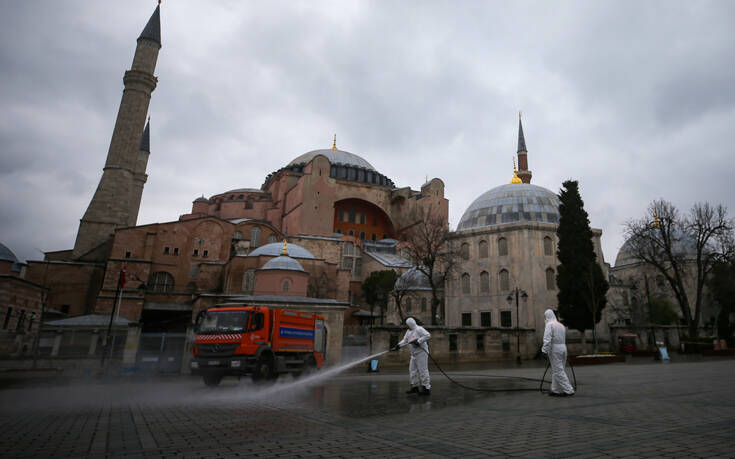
(511, 203)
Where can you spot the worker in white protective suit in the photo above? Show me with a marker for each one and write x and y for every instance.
(418, 370)
(555, 349)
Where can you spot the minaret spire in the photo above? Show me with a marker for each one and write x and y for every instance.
(334, 144)
(523, 173)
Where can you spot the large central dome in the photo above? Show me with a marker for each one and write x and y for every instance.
(514, 202)
(335, 157)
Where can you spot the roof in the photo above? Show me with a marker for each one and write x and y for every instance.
(245, 190)
(334, 157)
(521, 138)
(89, 320)
(6, 254)
(413, 279)
(510, 203)
(283, 262)
(274, 249)
(392, 260)
(152, 30)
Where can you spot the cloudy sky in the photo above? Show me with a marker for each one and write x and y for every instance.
(635, 100)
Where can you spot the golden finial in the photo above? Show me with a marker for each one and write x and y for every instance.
(515, 178)
(656, 222)
(334, 144)
(285, 250)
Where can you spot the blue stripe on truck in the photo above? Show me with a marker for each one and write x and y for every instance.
(286, 332)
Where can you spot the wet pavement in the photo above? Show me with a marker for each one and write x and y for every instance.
(620, 410)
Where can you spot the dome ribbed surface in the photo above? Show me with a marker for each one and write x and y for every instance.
(284, 263)
(274, 249)
(514, 202)
(334, 157)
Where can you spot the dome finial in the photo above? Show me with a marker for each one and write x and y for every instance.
(285, 250)
(334, 144)
(515, 178)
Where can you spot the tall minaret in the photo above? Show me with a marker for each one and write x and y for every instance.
(523, 173)
(116, 201)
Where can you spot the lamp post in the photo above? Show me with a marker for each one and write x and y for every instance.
(524, 296)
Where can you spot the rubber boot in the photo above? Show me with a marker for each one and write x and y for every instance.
(413, 390)
(425, 391)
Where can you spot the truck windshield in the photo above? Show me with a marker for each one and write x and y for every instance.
(224, 321)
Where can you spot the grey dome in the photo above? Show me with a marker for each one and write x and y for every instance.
(334, 157)
(682, 245)
(201, 199)
(6, 254)
(283, 262)
(274, 249)
(413, 279)
(514, 202)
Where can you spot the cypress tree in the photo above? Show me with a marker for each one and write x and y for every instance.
(581, 282)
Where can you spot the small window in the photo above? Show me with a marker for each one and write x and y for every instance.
(176, 250)
(352, 233)
(339, 230)
(506, 319)
(205, 253)
(485, 319)
(196, 252)
(272, 238)
(362, 235)
(21, 319)
(504, 280)
(286, 285)
(362, 218)
(502, 247)
(466, 319)
(464, 251)
(352, 214)
(341, 215)
(548, 248)
(452, 343)
(484, 282)
(483, 249)
(550, 279)
(423, 304)
(128, 254)
(466, 284)
(166, 250)
(373, 237)
(480, 340)
(408, 304)
(255, 236)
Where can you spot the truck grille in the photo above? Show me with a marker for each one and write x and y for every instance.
(217, 349)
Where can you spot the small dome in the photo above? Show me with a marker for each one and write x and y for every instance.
(514, 202)
(201, 199)
(6, 254)
(413, 279)
(274, 249)
(283, 262)
(334, 157)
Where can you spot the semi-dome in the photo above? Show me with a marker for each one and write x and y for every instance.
(6, 254)
(335, 157)
(283, 262)
(413, 279)
(510, 203)
(275, 249)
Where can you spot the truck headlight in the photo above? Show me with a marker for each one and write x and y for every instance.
(235, 364)
(194, 364)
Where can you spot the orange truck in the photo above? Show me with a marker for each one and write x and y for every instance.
(238, 340)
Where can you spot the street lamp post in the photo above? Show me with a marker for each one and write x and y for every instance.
(524, 296)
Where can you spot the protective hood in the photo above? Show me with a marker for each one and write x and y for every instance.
(411, 323)
(549, 316)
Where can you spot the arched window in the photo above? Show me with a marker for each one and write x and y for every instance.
(248, 281)
(464, 251)
(255, 237)
(483, 249)
(502, 247)
(550, 279)
(272, 238)
(484, 282)
(423, 304)
(408, 304)
(286, 285)
(504, 280)
(466, 284)
(548, 248)
(160, 281)
(351, 215)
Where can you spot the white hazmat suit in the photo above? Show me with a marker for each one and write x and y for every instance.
(555, 336)
(418, 369)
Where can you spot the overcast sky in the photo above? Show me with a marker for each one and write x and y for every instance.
(635, 100)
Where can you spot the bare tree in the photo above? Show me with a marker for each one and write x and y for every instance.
(681, 248)
(398, 298)
(432, 254)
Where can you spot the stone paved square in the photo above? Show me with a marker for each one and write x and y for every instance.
(621, 410)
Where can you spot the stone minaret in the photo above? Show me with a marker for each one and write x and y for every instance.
(116, 201)
(523, 173)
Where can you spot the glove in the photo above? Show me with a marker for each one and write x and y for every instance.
(394, 348)
(415, 342)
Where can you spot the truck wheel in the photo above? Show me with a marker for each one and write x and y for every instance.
(264, 369)
(212, 379)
